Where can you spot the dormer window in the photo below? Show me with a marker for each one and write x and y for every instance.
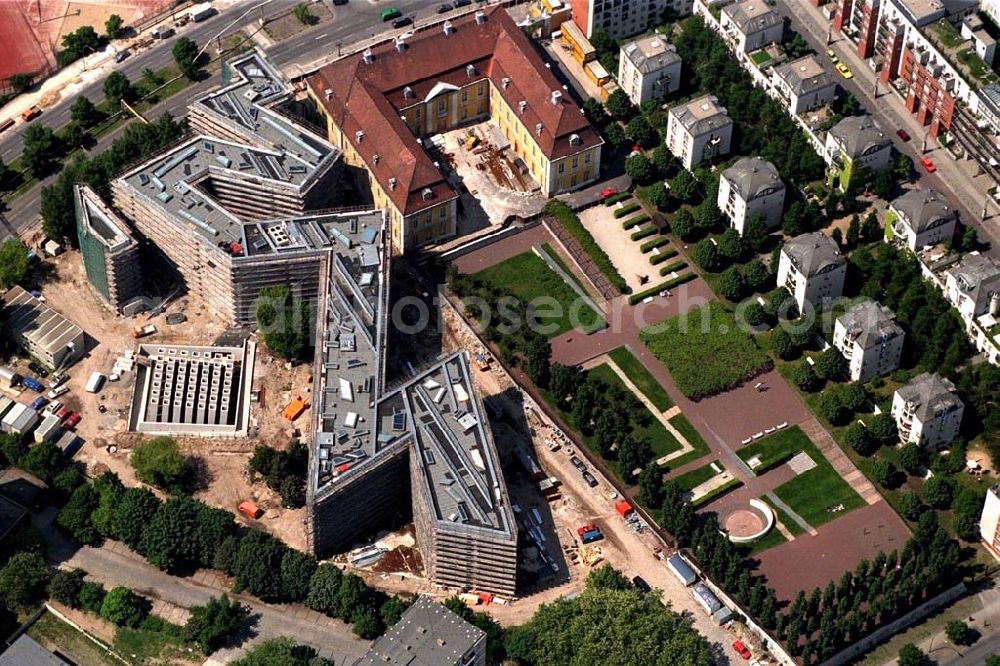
(574, 139)
(427, 194)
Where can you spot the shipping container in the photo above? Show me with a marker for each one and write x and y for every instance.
(201, 12)
(681, 569)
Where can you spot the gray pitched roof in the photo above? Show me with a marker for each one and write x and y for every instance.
(868, 323)
(752, 177)
(752, 16)
(932, 394)
(975, 272)
(428, 634)
(805, 75)
(25, 651)
(924, 209)
(651, 54)
(813, 253)
(859, 135)
(702, 115)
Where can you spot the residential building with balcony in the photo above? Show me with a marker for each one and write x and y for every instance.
(856, 144)
(804, 84)
(649, 69)
(927, 411)
(751, 187)
(920, 218)
(812, 269)
(699, 131)
(989, 521)
(751, 25)
(869, 338)
(624, 18)
(973, 285)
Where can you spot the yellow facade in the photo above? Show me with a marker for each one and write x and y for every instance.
(579, 46)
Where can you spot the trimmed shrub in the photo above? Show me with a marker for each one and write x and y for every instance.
(634, 221)
(656, 242)
(663, 256)
(645, 232)
(652, 291)
(673, 266)
(615, 198)
(627, 209)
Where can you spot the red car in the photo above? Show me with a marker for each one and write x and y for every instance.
(742, 649)
(63, 413)
(903, 134)
(71, 420)
(609, 192)
(928, 164)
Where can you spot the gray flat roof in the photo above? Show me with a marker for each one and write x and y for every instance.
(25, 651)
(428, 634)
(651, 54)
(976, 271)
(752, 16)
(37, 322)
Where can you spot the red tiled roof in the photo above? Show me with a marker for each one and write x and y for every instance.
(368, 97)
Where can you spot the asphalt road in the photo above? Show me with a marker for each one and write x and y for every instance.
(891, 115)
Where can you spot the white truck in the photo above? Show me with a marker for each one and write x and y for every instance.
(200, 12)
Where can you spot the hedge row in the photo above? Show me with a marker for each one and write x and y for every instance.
(673, 266)
(663, 286)
(615, 198)
(645, 232)
(659, 241)
(663, 256)
(568, 219)
(626, 210)
(633, 221)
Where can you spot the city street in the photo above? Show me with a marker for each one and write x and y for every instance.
(953, 178)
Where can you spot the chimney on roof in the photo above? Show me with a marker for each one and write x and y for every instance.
(505, 82)
(538, 129)
(407, 92)
(392, 183)
(480, 18)
(556, 98)
(470, 70)
(521, 106)
(328, 93)
(360, 134)
(375, 158)
(400, 44)
(448, 28)
(426, 194)
(367, 56)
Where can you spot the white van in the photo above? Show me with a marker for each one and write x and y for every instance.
(95, 382)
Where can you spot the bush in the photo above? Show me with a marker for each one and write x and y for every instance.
(92, 597)
(23, 580)
(212, 625)
(832, 409)
(883, 472)
(663, 286)
(645, 232)
(634, 221)
(957, 632)
(857, 438)
(565, 216)
(911, 655)
(806, 378)
(663, 256)
(883, 429)
(626, 210)
(159, 462)
(65, 587)
(283, 471)
(649, 245)
(910, 505)
(909, 457)
(831, 365)
(673, 266)
(615, 198)
(124, 608)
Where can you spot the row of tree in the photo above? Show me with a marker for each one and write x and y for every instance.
(283, 471)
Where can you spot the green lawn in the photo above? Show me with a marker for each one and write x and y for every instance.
(642, 378)
(812, 493)
(528, 277)
(705, 351)
(549, 250)
(660, 439)
(766, 542)
(787, 521)
(700, 448)
(773, 449)
(690, 480)
(54, 634)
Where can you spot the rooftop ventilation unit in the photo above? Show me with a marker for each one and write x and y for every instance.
(556, 97)
(359, 135)
(505, 82)
(328, 93)
(427, 194)
(400, 45)
(480, 18)
(367, 57)
(538, 128)
(375, 158)
(470, 70)
(392, 183)
(521, 106)
(574, 139)
(448, 28)
(408, 92)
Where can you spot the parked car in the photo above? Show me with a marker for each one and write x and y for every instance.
(121, 55)
(832, 56)
(589, 478)
(340, 2)
(742, 649)
(38, 402)
(58, 379)
(53, 407)
(462, 3)
(609, 192)
(844, 70)
(928, 164)
(56, 392)
(62, 413)
(903, 134)
(71, 421)
(402, 22)
(445, 8)
(641, 584)
(30, 114)
(578, 463)
(38, 369)
(32, 384)
(390, 14)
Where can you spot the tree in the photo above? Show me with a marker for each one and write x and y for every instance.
(755, 315)
(117, 87)
(854, 396)
(832, 409)
(297, 568)
(831, 365)
(970, 239)
(853, 231)
(883, 429)
(883, 472)
(159, 462)
(392, 610)
(186, 56)
(883, 185)
(757, 277)
(614, 134)
(13, 263)
(639, 168)
(113, 26)
(781, 345)
(870, 229)
(538, 360)
(23, 580)
(658, 195)
(957, 632)
(39, 150)
(797, 47)
(257, 567)
(662, 161)
(706, 255)
(74, 517)
(65, 587)
(683, 186)
(324, 587)
(284, 321)
(75, 135)
(791, 222)
(20, 82)
(283, 651)
(76, 44)
(707, 216)
(755, 234)
(44, 460)
(606, 577)
(132, 514)
(938, 492)
(859, 439)
(683, 224)
(212, 625)
(619, 105)
(909, 457)
(303, 14)
(837, 236)
(641, 132)
(170, 540)
(731, 245)
(633, 453)
(731, 285)
(594, 111)
(124, 608)
(910, 505)
(651, 485)
(83, 111)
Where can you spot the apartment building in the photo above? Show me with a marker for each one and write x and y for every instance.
(751, 25)
(989, 521)
(649, 69)
(380, 105)
(623, 18)
(804, 84)
(973, 286)
(428, 634)
(869, 338)
(109, 249)
(812, 269)
(751, 187)
(857, 144)
(699, 131)
(920, 218)
(927, 411)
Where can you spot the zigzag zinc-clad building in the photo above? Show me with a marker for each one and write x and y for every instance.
(379, 453)
(380, 105)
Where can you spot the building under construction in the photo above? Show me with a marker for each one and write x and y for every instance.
(109, 250)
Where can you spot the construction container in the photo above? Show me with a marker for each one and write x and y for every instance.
(294, 409)
(679, 567)
(250, 510)
(19, 420)
(624, 509)
(69, 442)
(8, 377)
(48, 430)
